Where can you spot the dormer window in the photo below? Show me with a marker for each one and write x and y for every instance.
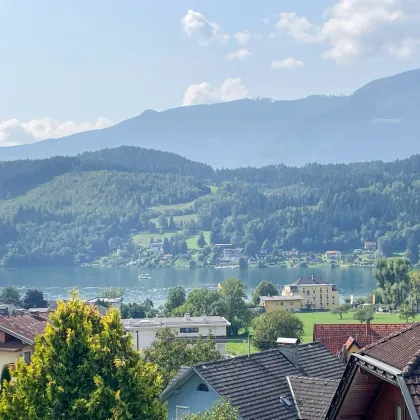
(203, 388)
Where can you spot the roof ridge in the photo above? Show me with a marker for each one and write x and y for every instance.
(314, 378)
(412, 364)
(389, 337)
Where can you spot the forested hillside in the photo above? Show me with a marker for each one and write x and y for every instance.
(75, 210)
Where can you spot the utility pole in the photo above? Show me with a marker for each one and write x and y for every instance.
(249, 346)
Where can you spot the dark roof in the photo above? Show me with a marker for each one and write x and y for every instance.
(255, 384)
(309, 280)
(402, 351)
(312, 396)
(333, 336)
(23, 327)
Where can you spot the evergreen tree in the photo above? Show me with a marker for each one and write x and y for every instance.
(84, 367)
(34, 299)
(201, 242)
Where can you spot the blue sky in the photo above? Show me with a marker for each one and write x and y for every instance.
(71, 66)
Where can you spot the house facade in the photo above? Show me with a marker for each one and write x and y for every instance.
(156, 247)
(232, 254)
(257, 385)
(316, 293)
(286, 303)
(333, 255)
(114, 302)
(381, 381)
(143, 331)
(370, 246)
(17, 337)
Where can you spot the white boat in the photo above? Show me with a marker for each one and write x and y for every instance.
(145, 277)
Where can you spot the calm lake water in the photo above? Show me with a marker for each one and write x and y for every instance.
(57, 282)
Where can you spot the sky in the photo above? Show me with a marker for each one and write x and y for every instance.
(69, 66)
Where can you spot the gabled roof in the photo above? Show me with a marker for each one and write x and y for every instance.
(280, 298)
(312, 396)
(255, 384)
(309, 281)
(333, 336)
(23, 327)
(402, 351)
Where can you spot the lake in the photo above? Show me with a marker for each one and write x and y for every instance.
(57, 282)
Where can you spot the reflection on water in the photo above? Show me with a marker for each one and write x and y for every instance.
(57, 282)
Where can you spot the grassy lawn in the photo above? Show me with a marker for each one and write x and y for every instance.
(311, 318)
(192, 241)
(239, 345)
(144, 238)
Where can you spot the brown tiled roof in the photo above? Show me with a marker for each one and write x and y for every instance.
(333, 336)
(312, 396)
(402, 351)
(23, 327)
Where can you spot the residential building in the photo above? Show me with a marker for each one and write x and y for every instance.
(381, 382)
(257, 385)
(287, 303)
(188, 327)
(333, 255)
(114, 302)
(232, 254)
(316, 293)
(370, 246)
(290, 254)
(156, 247)
(344, 339)
(17, 337)
(9, 309)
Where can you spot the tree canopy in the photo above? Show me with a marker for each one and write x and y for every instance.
(34, 298)
(221, 410)
(265, 288)
(10, 295)
(176, 297)
(272, 325)
(169, 352)
(83, 367)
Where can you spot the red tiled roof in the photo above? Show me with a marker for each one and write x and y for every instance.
(333, 336)
(23, 327)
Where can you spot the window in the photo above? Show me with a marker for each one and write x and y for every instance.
(27, 356)
(181, 412)
(291, 303)
(203, 387)
(281, 303)
(401, 413)
(307, 292)
(189, 330)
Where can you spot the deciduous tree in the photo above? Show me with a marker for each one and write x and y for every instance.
(10, 295)
(406, 312)
(34, 299)
(272, 325)
(265, 288)
(176, 297)
(364, 314)
(340, 310)
(221, 410)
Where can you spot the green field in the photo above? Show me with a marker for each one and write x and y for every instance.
(192, 241)
(238, 345)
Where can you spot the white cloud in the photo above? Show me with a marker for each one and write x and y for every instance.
(299, 28)
(361, 28)
(205, 93)
(241, 54)
(195, 25)
(288, 64)
(243, 37)
(14, 132)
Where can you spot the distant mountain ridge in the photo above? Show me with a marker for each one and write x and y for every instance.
(380, 121)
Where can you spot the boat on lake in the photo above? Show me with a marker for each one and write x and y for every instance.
(145, 277)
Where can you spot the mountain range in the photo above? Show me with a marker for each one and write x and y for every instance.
(379, 121)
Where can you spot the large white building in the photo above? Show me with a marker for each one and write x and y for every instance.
(144, 331)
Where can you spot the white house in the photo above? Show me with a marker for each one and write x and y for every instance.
(156, 247)
(144, 331)
(333, 255)
(232, 254)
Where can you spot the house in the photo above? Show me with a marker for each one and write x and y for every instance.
(257, 385)
(114, 302)
(9, 309)
(381, 382)
(286, 303)
(156, 247)
(358, 251)
(333, 255)
(344, 339)
(316, 293)
(143, 331)
(290, 254)
(370, 246)
(232, 254)
(17, 337)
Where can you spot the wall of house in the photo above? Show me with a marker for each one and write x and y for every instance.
(285, 305)
(188, 396)
(7, 357)
(319, 297)
(147, 335)
(385, 407)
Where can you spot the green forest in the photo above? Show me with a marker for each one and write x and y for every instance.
(74, 210)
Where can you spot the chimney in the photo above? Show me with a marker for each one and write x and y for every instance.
(288, 347)
(368, 330)
(187, 316)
